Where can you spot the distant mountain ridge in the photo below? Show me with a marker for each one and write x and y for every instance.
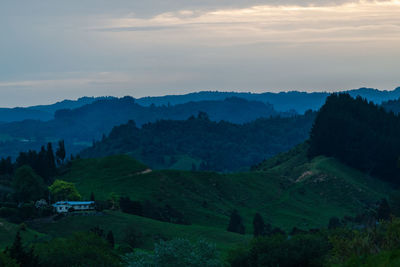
(283, 101)
(292, 101)
(44, 112)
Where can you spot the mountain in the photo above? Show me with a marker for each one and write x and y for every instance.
(20, 114)
(43, 112)
(283, 101)
(80, 126)
(292, 102)
(201, 143)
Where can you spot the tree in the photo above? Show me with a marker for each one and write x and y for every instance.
(258, 225)
(113, 199)
(62, 190)
(236, 223)
(28, 185)
(51, 159)
(60, 153)
(24, 257)
(92, 198)
(110, 238)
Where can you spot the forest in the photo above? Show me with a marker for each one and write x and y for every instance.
(217, 146)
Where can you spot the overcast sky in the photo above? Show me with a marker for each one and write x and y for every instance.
(56, 49)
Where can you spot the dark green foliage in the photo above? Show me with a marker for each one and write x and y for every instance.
(43, 162)
(6, 166)
(358, 133)
(278, 250)
(176, 253)
(81, 249)
(369, 246)
(236, 223)
(7, 261)
(258, 225)
(221, 146)
(28, 185)
(60, 153)
(25, 257)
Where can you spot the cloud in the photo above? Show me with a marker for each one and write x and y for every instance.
(57, 49)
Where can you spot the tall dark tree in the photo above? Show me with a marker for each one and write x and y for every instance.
(60, 153)
(24, 257)
(92, 198)
(258, 225)
(6, 166)
(51, 159)
(236, 223)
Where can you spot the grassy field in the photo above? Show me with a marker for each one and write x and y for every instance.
(150, 230)
(288, 191)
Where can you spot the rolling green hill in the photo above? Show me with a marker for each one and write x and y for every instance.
(288, 190)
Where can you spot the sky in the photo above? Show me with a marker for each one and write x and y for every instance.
(55, 49)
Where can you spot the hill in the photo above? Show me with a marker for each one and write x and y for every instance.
(79, 127)
(199, 143)
(288, 190)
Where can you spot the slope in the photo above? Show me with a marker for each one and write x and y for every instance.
(288, 190)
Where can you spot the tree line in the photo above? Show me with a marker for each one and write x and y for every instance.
(359, 133)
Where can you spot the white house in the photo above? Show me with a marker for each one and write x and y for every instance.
(66, 206)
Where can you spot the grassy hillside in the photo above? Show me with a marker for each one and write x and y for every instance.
(8, 231)
(149, 230)
(288, 190)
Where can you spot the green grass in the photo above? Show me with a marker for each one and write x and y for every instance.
(288, 190)
(291, 191)
(151, 230)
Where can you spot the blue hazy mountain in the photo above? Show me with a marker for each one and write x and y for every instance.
(293, 101)
(43, 112)
(283, 101)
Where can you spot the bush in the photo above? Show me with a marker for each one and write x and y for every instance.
(81, 249)
(177, 252)
(278, 250)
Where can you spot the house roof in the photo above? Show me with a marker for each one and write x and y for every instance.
(73, 203)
